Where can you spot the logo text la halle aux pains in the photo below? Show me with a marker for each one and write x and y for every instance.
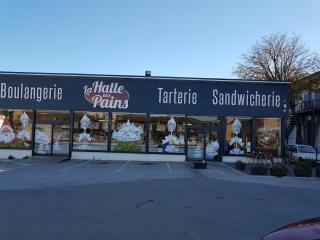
(111, 95)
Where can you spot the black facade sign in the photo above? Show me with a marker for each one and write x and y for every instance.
(143, 94)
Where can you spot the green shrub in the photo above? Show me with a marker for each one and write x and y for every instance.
(258, 169)
(303, 168)
(127, 146)
(279, 171)
(16, 143)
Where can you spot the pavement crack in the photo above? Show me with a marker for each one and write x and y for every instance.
(142, 203)
(257, 199)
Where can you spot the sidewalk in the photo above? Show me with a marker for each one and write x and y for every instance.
(36, 159)
(42, 173)
(220, 170)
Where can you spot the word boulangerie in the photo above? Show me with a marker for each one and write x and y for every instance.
(31, 93)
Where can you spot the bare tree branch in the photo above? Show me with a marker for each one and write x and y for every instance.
(284, 58)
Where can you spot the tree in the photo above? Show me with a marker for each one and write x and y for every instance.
(284, 58)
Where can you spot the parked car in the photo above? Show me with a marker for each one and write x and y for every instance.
(308, 229)
(302, 152)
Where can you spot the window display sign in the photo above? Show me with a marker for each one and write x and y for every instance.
(15, 129)
(143, 94)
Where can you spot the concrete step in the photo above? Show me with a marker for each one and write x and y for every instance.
(40, 159)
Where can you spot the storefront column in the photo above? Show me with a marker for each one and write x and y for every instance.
(109, 131)
(253, 133)
(147, 132)
(222, 133)
(33, 130)
(314, 129)
(283, 134)
(71, 134)
(185, 136)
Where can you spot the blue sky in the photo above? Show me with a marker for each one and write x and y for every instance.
(192, 38)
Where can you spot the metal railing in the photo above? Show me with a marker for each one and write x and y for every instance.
(309, 105)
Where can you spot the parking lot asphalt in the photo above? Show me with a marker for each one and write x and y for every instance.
(15, 175)
(24, 174)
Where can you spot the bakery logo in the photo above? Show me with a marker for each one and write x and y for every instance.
(103, 95)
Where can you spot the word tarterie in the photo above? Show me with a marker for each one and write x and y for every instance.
(177, 97)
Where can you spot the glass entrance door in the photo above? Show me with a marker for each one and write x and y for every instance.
(43, 139)
(203, 144)
(60, 139)
(52, 139)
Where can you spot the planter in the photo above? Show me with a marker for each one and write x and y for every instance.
(258, 170)
(199, 165)
(278, 171)
(303, 169)
(302, 173)
(240, 165)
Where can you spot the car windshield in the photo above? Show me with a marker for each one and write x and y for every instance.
(306, 149)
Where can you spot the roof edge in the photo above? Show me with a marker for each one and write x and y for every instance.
(140, 76)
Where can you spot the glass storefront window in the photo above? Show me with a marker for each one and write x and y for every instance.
(268, 135)
(52, 115)
(203, 121)
(90, 131)
(166, 133)
(15, 129)
(238, 135)
(128, 132)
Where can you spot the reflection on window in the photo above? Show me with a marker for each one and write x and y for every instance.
(238, 135)
(15, 129)
(203, 121)
(166, 133)
(53, 115)
(268, 135)
(90, 131)
(128, 132)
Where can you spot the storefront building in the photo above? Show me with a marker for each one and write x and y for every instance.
(106, 117)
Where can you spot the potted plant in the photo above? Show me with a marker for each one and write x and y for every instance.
(240, 165)
(259, 169)
(278, 169)
(318, 171)
(200, 164)
(303, 169)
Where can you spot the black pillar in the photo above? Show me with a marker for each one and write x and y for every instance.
(253, 133)
(71, 134)
(147, 127)
(222, 133)
(314, 129)
(33, 130)
(109, 131)
(282, 136)
(186, 135)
